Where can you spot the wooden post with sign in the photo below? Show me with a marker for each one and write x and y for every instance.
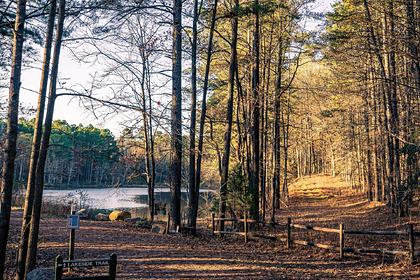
(73, 223)
(72, 226)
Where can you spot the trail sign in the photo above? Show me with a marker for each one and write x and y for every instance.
(73, 221)
(111, 262)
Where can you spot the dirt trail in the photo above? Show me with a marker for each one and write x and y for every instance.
(318, 200)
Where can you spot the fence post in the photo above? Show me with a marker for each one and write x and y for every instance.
(212, 224)
(411, 244)
(113, 267)
(168, 224)
(289, 233)
(58, 268)
(246, 227)
(341, 241)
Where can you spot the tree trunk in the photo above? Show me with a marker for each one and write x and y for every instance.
(393, 106)
(255, 134)
(40, 169)
(369, 176)
(229, 116)
(413, 72)
(285, 188)
(27, 212)
(193, 196)
(386, 88)
(276, 139)
(11, 132)
(176, 117)
(147, 137)
(204, 102)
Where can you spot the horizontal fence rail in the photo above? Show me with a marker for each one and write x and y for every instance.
(376, 232)
(315, 228)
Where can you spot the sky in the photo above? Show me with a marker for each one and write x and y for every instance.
(72, 72)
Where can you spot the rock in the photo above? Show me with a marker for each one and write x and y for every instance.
(102, 217)
(158, 229)
(118, 215)
(41, 274)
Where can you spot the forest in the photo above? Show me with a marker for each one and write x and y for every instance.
(246, 98)
(86, 157)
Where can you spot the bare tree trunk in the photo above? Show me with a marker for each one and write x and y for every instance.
(152, 149)
(276, 139)
(40, 169)
(374, 45)
(11, 132)
(255, 134)
(36, 142)
(369, 176)
(229, 116)
(176, 118)
(285, 188)
(204, 102)
(264, 123)
(147, 138)
(393, 106)
(193, 196)
(414, 73)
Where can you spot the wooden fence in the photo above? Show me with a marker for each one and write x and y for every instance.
(245, 221)
(409, 233)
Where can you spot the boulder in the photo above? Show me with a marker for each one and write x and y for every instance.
(102, 217)
(41, 274)
(158, 229)
(118, 215)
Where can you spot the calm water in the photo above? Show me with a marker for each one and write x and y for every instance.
(108, 198)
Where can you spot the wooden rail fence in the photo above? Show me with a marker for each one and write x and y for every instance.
(409, 233)
(245, 221)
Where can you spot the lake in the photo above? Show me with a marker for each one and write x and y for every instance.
(110, 198)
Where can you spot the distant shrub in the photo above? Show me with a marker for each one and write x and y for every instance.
(55, 208)
(238, 196)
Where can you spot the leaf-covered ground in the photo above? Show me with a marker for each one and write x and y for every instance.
(319, 200)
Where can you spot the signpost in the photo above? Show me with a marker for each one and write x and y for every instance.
(73, 223)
